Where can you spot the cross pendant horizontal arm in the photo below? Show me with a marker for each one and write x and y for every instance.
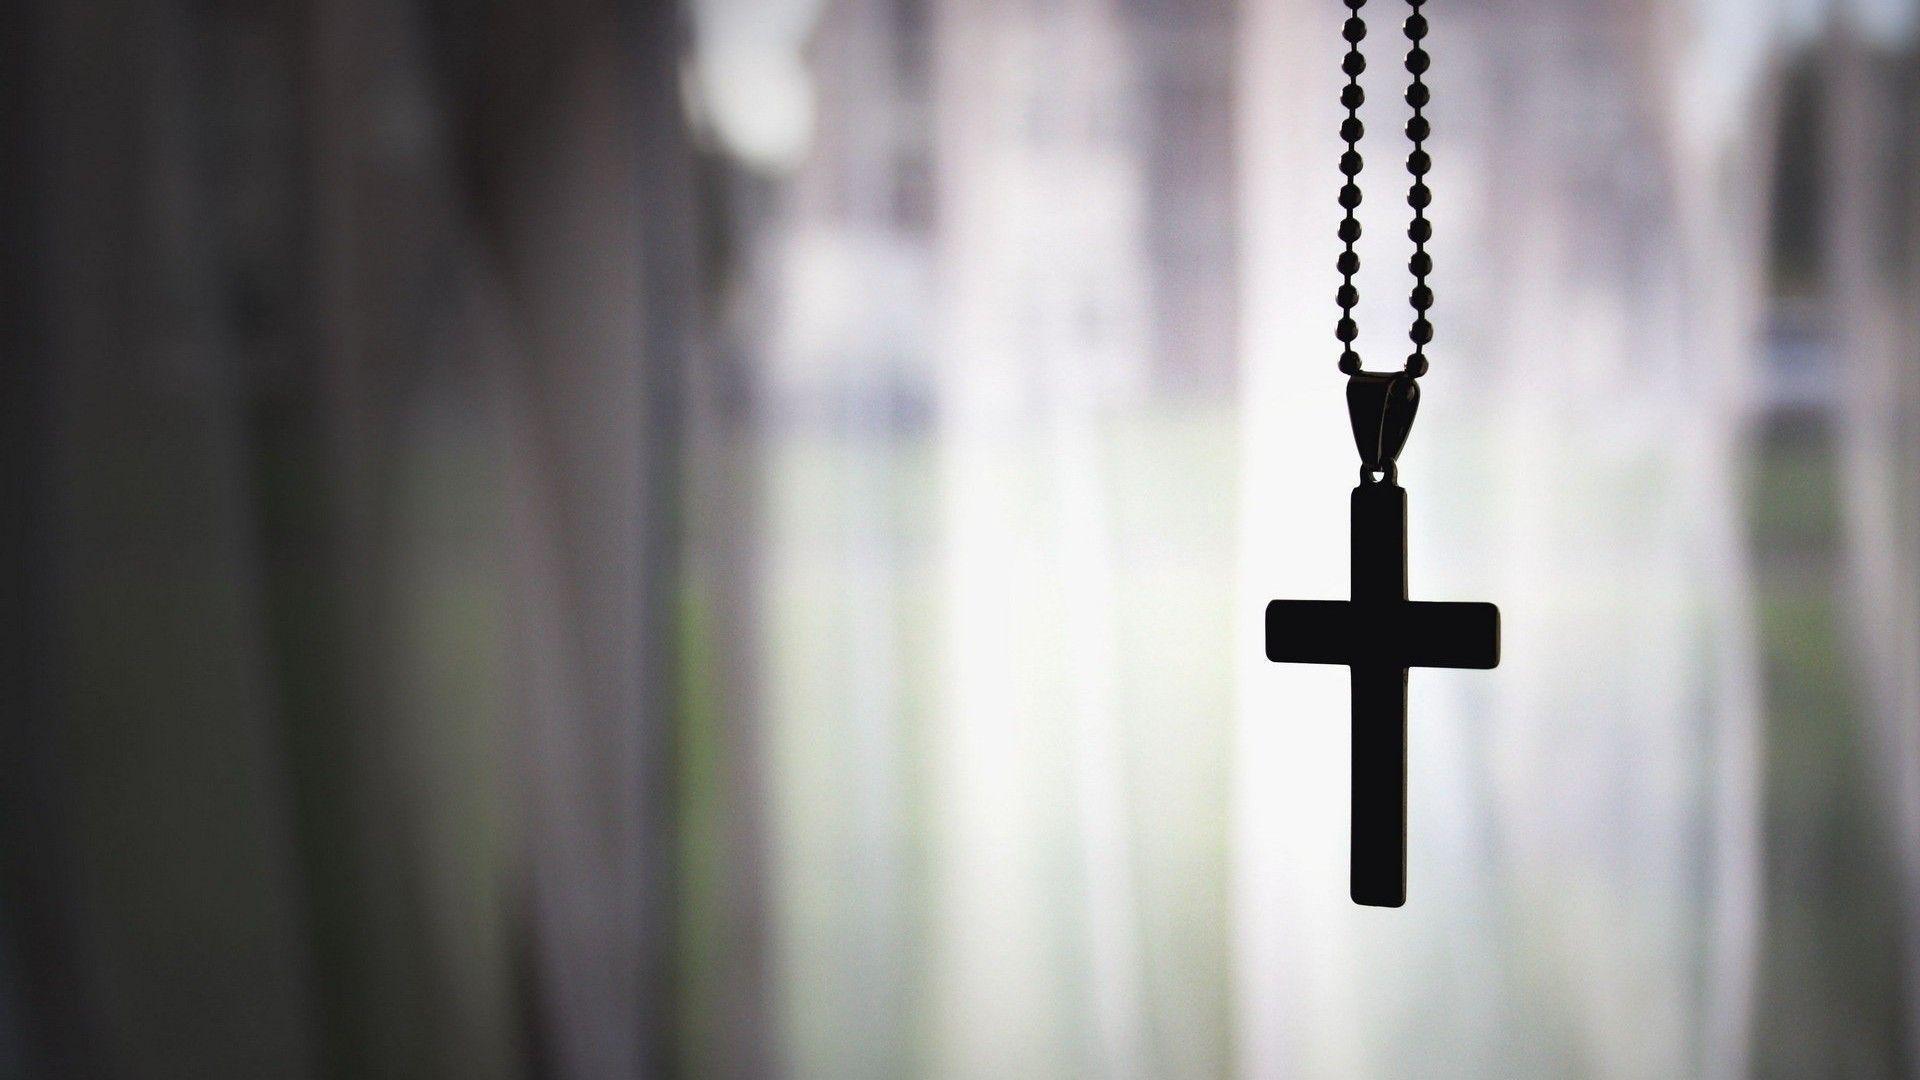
(1379, 634)
(1406, 633)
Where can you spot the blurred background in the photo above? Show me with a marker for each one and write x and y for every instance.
(612, 539)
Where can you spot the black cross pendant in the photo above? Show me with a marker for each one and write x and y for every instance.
(1380, 634)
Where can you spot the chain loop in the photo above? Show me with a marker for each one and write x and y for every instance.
(1419, 195)
(1351, 96)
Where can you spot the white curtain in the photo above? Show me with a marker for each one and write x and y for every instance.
(1037, 302)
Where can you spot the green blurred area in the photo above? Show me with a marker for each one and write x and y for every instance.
(1832, 979)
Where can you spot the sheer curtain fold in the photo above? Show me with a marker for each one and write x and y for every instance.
(1874, 297)
(358, 576)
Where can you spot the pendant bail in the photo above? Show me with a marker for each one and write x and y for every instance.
(1381, 408)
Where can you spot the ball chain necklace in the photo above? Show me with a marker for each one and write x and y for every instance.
(1380, 634)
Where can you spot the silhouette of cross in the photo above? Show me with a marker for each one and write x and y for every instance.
(1380, 634)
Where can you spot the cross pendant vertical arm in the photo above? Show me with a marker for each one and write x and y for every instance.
(1379, 634)
(1377, 866)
